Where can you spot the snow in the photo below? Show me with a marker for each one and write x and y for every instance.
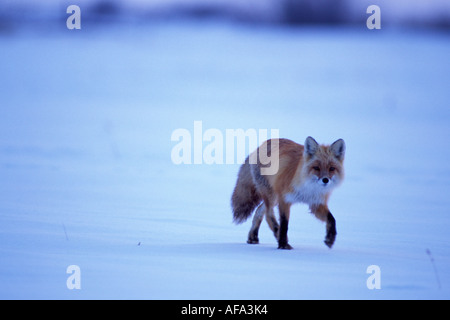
(86, 176)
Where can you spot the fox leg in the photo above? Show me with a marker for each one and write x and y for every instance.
(272, 222)
(253, 233)
(284, 221)
(323, 213)
(331, 230)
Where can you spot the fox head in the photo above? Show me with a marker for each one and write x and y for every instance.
(323, 165)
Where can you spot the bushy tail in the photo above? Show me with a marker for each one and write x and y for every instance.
(245, 197)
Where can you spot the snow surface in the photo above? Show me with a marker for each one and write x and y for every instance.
(86, 176)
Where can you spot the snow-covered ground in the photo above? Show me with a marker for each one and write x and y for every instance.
(86, 176)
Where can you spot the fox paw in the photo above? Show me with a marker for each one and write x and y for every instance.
(253, 241)
(285, 246)
(329, 240)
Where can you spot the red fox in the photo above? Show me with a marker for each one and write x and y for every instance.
(306, 174)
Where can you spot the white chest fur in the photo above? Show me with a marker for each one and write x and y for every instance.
(309, 192)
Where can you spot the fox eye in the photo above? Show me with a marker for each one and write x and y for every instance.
(332, 169)
(316, 168)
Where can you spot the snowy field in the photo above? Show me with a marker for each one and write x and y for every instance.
(86, 176)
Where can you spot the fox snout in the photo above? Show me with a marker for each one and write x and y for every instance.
(325, 181)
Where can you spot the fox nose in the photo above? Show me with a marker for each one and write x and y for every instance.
(325, 180)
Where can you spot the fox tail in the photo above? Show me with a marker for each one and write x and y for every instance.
(245, 197)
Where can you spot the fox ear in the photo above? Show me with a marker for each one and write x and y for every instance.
(311, 146)
(338, 149)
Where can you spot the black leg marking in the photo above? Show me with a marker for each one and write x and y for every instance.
(331, 230)
(283, 241)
